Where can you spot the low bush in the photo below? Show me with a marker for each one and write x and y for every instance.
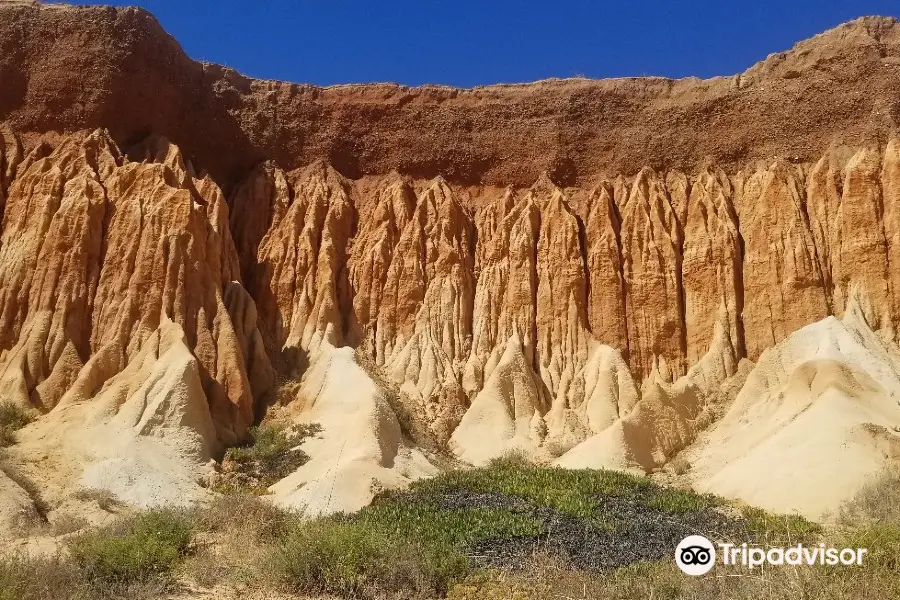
(146, 546)
(12, 418)
(246, 517)
(271, 454)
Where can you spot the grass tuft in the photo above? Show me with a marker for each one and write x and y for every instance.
(877, 502)
(33, 578)
(779, 530)
(143, 547)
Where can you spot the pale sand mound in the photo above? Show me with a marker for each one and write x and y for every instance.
(815, 420)
(145, 435)
(360, 448)
(665, 420)
(503, 416)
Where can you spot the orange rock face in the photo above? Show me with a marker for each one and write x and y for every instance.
(651, 252)
(711, 266)
(783, 284)
(99, 245)
(97, 249)
(607, 317)
(469, 270)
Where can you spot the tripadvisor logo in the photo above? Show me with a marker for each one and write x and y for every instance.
(696, 555)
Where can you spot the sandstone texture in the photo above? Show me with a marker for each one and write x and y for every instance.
(585, 271)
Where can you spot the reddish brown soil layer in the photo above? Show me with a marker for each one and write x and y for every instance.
(72, 68)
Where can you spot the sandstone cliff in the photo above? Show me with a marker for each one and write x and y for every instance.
(567, 265)
(99, 244)
(97, 249)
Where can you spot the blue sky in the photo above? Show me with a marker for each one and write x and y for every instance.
(474, 42)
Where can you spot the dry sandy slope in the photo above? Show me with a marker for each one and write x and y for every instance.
(360, 449)
(146, 437)
(817, 418)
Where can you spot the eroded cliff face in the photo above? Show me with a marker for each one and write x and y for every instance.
(519, 266)
(97, 250)
(576, 295)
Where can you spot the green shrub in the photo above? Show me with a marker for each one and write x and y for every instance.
(271, 454)
(359, 560)
(145, 546)
(513, 459)
(12, 418)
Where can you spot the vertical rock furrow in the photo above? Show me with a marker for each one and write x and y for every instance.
(169, 256)
(10, 157)
(890, 186)
(606, 303)
(374, 247)
(823, 202)
(259, 200)
(711, 266)
(651, 253)
(506, 289)
(298, 247)
(782, 276)
(431, 283)
(860, 257)
(562, 334)
(50, 253)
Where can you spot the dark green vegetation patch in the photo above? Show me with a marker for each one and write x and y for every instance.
(439, 531)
